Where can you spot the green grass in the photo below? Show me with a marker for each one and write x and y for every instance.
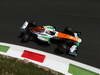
(75, 70)
(12, 66)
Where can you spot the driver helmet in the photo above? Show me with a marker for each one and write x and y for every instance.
(49, 28)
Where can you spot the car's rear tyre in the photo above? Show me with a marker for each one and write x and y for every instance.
(31, 23)
(25, 38)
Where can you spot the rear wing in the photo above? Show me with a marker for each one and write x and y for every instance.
(24, 26)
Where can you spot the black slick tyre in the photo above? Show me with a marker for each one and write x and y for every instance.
(25, 38)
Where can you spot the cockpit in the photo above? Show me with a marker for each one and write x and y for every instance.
(50, 32)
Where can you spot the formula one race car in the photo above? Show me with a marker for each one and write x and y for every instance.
(66, 41)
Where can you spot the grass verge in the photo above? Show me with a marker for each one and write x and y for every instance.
(12, 66)
(75, 70)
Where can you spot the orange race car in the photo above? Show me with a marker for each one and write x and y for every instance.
(66, 41)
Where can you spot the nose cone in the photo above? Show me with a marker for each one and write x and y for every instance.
(79, 40)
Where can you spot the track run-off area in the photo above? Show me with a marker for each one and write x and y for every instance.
(50, 61)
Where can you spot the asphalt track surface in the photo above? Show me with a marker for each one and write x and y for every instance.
(83, 16)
